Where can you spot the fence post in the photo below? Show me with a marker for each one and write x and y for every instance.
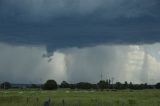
(63, 103)
(37, 100)
(27, 100)
(47, 103)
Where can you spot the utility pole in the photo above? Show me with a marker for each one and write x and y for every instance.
(101, 76)
(112, 80)
(4, 85)
(40, 84)
(107, 77)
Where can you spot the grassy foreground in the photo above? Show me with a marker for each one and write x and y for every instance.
(80, 98)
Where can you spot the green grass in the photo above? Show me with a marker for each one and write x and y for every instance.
(80, 98)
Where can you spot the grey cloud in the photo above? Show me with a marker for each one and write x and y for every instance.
(69, 23)
(48, 9)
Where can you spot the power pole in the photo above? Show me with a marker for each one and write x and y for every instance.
(40, 84)
(4, 85)
(112, 80)
(101, 76)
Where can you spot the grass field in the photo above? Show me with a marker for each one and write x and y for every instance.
(80, 98)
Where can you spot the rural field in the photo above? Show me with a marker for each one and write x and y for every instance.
(67, 97)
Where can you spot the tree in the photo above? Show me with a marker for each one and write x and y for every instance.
(102, 84)
(34, 86)
(6, 85)
(72, 86)
(131, 86)
(157, 85)
(125, 85)
(50, 85)
(84, 85)
(118, 85)
(64, 84)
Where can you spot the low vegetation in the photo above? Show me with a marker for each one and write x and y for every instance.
(104, 93)
(67, 97)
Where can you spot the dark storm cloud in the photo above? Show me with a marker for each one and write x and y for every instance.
(61, 23)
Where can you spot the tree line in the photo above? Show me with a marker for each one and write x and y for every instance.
(101, 85)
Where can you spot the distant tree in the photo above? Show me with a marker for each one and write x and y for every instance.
(150, 86)
(102, 84)
(125, 85)
(157, 85)
(84, 85)
(72, 86)
(94, 86)
(138, 87)
(6, 85)
(131, 86)
(34, 86)
(142, 86)
(118, 85)
(64, 84)
(146, 86)
(50, 85)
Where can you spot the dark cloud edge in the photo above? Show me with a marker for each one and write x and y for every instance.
(56, 44)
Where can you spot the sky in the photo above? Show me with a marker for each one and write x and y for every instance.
(78, 40)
